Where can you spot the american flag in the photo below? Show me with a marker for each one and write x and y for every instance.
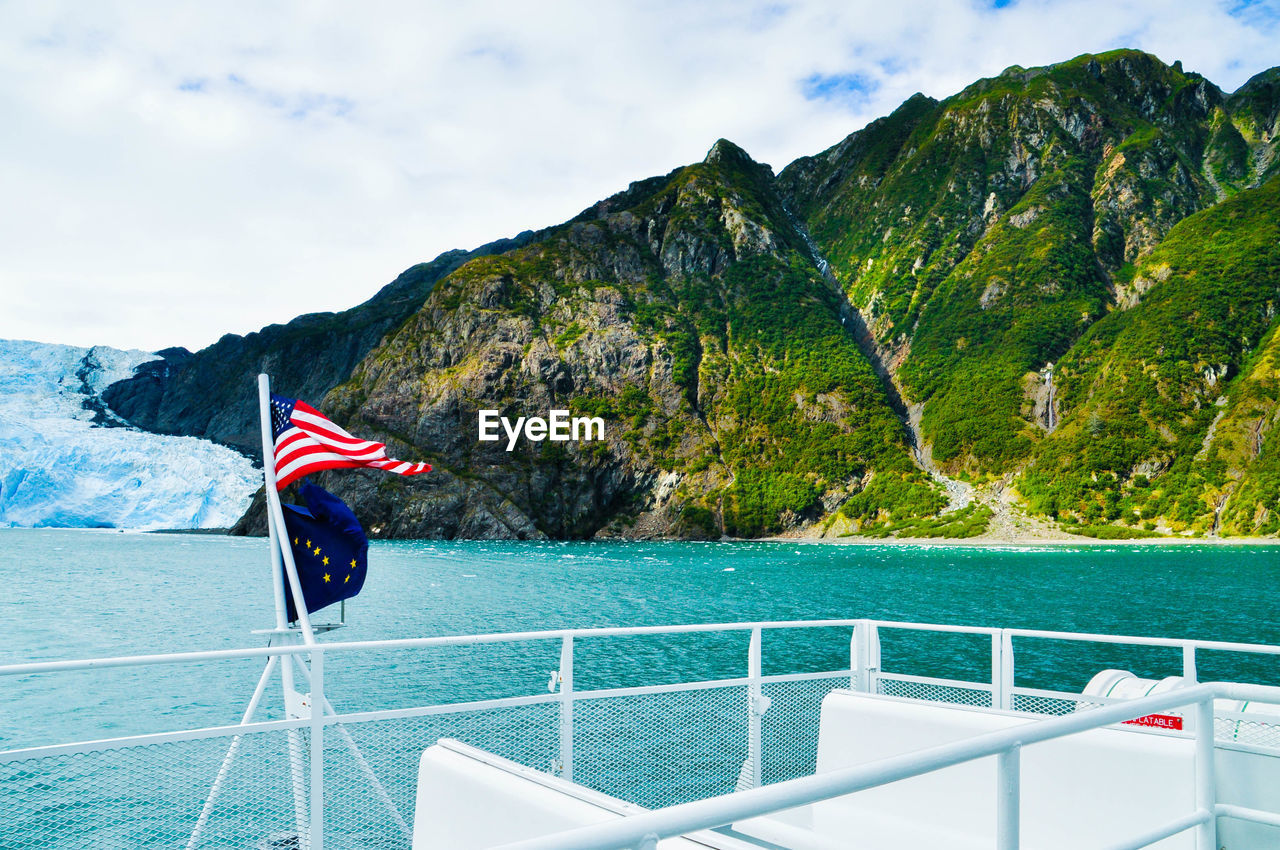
(307, 442)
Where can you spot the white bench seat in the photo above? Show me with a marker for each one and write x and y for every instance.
(469, 799)
(1087, 790)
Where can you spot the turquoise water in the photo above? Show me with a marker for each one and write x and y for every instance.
(73, 593)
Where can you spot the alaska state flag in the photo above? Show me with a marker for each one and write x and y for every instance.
(329, 548)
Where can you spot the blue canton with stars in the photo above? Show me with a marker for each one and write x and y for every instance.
(329, 547)
(281, 410)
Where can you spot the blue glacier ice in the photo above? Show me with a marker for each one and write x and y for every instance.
(60, 466)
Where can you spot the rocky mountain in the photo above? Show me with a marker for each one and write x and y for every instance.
(688, 314)
(1055, 286)
(212, 393)
(983, 235)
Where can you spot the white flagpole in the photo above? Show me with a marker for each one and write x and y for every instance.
(282, 556)
(275, 524)
(310, 835)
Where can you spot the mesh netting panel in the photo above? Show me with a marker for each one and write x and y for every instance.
(933, 692)
(1050, 705)
(789, 729)
(151, 796)
(357, 813)
(1238, 729)
(661, 749)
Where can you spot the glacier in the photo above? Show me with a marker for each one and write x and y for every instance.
(66, 460)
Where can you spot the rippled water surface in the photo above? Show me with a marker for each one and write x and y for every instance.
(69, 594)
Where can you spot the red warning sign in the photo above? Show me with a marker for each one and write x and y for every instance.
(1157, 721)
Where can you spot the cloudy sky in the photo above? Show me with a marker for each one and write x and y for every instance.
(171, 174)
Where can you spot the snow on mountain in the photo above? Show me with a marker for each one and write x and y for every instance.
(67, 460)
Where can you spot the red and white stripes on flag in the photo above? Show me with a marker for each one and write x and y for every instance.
(306, 442)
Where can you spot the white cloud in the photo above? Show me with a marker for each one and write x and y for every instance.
(173, 172)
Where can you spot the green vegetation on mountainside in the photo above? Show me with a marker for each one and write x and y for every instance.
(808, 412)
(1140, 390)
(1244, 449)
(985, 245)
(969, 521)
(1018, 300)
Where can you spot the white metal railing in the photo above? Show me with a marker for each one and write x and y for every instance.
(864, 672)
(643, 831)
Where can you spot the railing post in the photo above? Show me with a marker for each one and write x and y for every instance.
(1002, 669)
(1206, 788)
(864, 655)
(873, 655)
(566, 707)
(1008, 798)
(997, 670)
(755, 708)
(1190, 676)
(317, 751)
(856, 677)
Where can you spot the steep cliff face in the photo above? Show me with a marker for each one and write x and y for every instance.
(982, 235)
(1251, 154)
(1242, 496)
(687, 314)
(211, 394)
(1167, 407)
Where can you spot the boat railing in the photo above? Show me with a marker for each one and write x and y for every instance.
(345, 773)
(643, 831)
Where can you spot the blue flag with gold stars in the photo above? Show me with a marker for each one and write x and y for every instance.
(330, 549)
